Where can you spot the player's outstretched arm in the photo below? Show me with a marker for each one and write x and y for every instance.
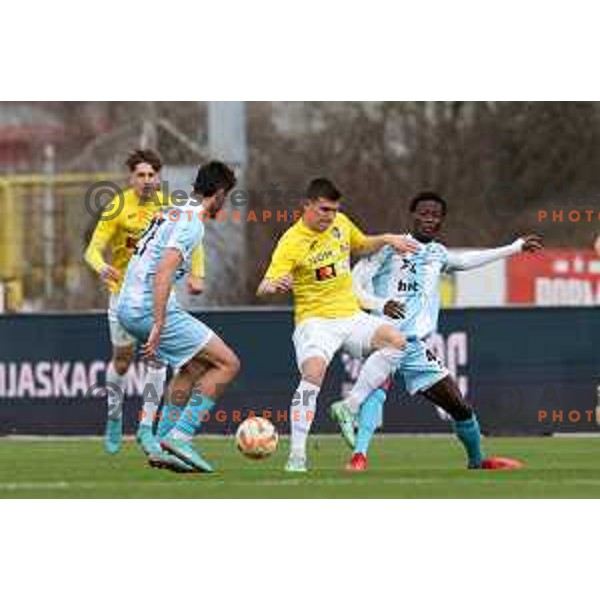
(400, 243)
(471, 259)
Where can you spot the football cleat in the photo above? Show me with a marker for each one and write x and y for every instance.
(147, 441)
(164, 460)
(186, 452)
(296, 464)
(343, 416)
(358, 462)
(500, 463)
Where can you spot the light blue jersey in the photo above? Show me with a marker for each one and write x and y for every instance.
(172, 229)
(414, 281)
(411, 279)
(182, 336)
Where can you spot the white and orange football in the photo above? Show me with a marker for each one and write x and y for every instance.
(256, 438)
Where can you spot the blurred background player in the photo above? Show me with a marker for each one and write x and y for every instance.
(119, 235)
(405, 291)
(312, 259)
(149, 310)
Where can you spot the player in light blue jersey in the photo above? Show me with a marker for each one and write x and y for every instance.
(405, 290)
(149, 310)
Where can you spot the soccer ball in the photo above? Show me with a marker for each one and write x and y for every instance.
(256, 438)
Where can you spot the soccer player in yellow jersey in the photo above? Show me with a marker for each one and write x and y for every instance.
(312, 260)
(120, 235)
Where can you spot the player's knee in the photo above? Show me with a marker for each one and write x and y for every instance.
(313, 371)
(121, 362)
(389, 337)
(461, 412)
(397, 340)
(232, 364)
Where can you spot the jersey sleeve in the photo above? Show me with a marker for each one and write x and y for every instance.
(198, 262)
(362, 281)
(103, 233)
(471, 259)
(184, 238)
(283, 259)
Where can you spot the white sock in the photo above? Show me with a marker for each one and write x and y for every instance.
(154, 385)
(377, 368)
(302, 414)
(115, 392)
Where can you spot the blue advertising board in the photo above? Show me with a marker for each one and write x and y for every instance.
(527, 371)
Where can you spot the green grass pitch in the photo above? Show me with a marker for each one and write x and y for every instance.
(401, 467)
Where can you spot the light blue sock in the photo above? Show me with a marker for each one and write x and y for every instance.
(169, 415)
(470, 437)
(194, 414)
(369, 419)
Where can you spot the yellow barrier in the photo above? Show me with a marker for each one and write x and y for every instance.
(41, 243)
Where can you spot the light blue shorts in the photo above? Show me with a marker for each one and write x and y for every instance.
(420, 368)
(181, 339)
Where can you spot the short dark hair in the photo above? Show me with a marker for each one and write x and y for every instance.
(323, 188)
(428, 197)
(139, 156)
(212, 177)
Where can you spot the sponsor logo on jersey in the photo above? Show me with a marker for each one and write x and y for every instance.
(326, 272)
(320, 257)
(408, 286)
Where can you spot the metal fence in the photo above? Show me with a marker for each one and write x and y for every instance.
(44, 226)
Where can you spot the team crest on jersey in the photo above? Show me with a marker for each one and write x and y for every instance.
(336, 233)
(326, 272)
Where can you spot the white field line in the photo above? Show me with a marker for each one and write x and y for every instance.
(65, 485)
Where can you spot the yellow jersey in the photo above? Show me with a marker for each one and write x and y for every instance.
(320, 265)
(122, 233)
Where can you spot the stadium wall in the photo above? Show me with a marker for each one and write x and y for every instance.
(515, 365)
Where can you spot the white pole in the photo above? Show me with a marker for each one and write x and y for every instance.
(226, 242)
(48, 222)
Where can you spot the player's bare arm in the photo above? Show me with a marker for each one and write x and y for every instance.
(400, 243)
(163, 283)
(268, 287)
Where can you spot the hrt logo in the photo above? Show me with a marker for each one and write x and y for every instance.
(404, 286)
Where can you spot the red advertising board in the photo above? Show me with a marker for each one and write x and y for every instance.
(554, 278)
